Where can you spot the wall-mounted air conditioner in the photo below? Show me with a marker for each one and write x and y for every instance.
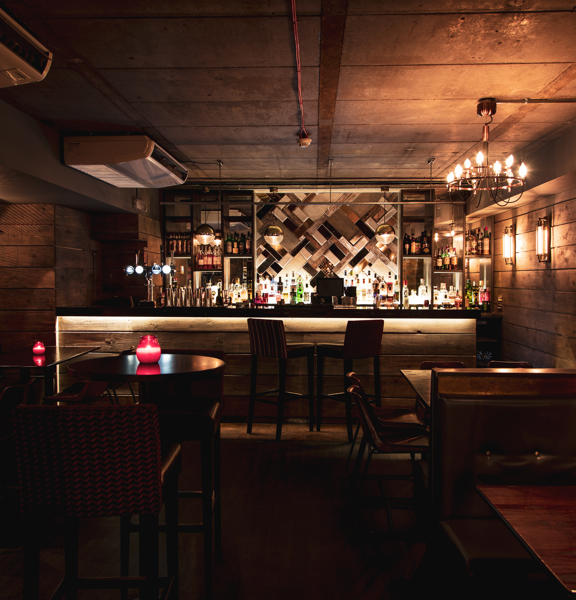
(124, 161)
(23, 59)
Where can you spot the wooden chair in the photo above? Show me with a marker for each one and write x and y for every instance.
(96, 461)
(363, 339)
(192, 413)
(268, 339)
(382, 439)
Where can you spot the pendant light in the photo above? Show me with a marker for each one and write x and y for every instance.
(385, 234)
(204, 234)
(273, 235)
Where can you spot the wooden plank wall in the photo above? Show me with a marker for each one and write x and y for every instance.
(539, 299)
(122, 235)
(78, 259)
(27, 275)
(406, 344)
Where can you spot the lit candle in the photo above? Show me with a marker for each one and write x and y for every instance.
(148, 349)
(38, 348)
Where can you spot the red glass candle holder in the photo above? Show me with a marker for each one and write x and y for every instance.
(38, 348)
(148, 349)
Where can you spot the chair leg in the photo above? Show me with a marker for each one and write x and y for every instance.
(207, 490)
(171, 510)
(124, 552)
(377, 391)
(357, 465)
(252, 401)
(71, 532)
(319, 388)
(311, 390)
(282, 363)
(352, 446)
(348, 366)
(217, 495)
(148, 556)
(31, 575)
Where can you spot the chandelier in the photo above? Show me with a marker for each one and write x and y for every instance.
(500, 182)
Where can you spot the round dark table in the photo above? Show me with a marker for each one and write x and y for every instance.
(128, 368)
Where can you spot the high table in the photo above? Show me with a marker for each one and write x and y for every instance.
(25, 360)
(420, 381)
(543, 518)
(127, 368)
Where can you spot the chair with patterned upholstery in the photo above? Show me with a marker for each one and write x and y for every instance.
(96, 461)
(363, 339)
(268, 340)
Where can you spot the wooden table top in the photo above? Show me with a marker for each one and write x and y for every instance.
(543, 518)
(53, 355)
(420, 381)
(128, 368)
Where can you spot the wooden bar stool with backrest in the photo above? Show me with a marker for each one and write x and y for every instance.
(363, 339)
(268, 339)
(96, 461)
(192, 412)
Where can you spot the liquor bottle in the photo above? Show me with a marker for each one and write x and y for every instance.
(438, 260)
(467, 294)
(279, 287)
(454, 260)
(418, 245)
(390, 288)
(217, 257)
(396, 289)
(248, 245)
(452, 296)
(200, 258)
(307, 295)
(235, 243)
(446, 259)
(299, 291)
(242, 244)
(421, 292)
(425, 244)
(286, 292)
(229, 243)
(412, 244)
(208, 258)
(473, 244)
(435, 296)
(406, 244)
(457, 300)
(405, 298)
(486, 242)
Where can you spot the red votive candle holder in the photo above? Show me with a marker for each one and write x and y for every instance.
(38, 348)
(148, 349)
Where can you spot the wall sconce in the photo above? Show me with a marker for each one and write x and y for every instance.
(509, 245)
(273, 235)
(543, 240)
(385, 234)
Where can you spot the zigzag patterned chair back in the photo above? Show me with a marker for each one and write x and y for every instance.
(88, 461)
(267, 338)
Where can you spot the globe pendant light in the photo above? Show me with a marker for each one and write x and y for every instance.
(273, 235)
(205, 234)
(385, 234)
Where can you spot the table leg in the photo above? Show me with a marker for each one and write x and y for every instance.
(49, 381)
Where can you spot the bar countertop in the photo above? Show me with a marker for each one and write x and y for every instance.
(308, 311)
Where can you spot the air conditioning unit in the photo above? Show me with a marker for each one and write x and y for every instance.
(124, 161)
(23, 59)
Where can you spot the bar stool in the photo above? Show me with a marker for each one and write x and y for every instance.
(268, 339)
(363, 339)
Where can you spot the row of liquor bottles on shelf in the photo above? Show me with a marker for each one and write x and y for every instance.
(181, 244)
(416, 245)
(477, 243)
(475, 297)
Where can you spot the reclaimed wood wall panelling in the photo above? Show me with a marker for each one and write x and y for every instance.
(539, 320)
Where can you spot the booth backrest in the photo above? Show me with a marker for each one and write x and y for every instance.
(499, 429)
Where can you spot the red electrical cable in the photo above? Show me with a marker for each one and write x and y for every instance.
(298, 70)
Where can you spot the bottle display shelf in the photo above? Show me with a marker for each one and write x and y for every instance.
(447, 271)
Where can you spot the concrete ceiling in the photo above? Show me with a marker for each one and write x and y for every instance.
(385, 85)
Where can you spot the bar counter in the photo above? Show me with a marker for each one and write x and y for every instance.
(410, 337)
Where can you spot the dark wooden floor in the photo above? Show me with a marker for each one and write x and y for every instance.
(289, 530)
